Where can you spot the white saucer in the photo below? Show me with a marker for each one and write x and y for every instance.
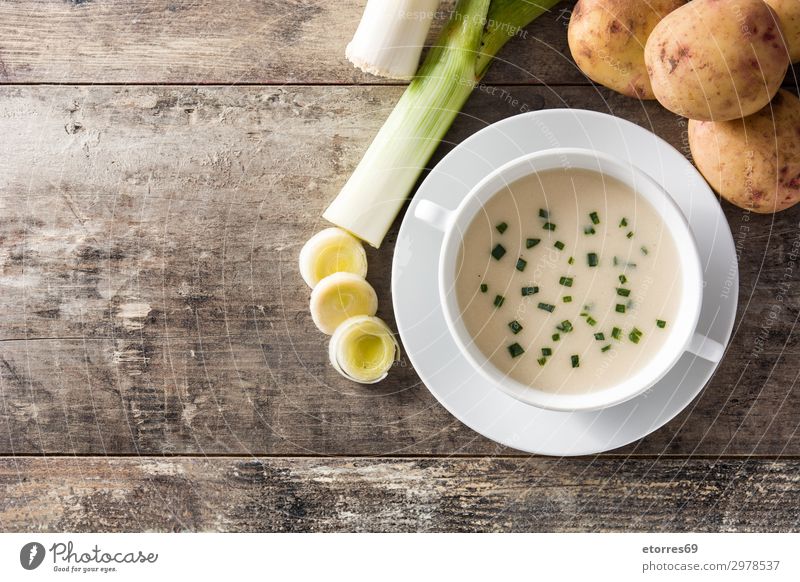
(434, 354)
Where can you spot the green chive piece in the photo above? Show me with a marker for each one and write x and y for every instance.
(567, 299)
(542, 361)
(616, 261)
(637, 331)
(515, 350)
(559, 245)
(556, 337)
(605, 348)
(595, 218)
(576, 361)
(634, 338)
(661, 323)
(565, 326)
(549, 226)
(588, 230)
(547, 352)
(521, 264)
(570, 260)
(544, 213)
(615, 333)
(591, 321)
(502, 227)
(532, 242)
(484, 287)
(592, 259)
(600, 336)
(623, 279)
(498, 252)
(620, 308)
(645, 252)
(515, 326)
(623, 292)
(546, 307)
(630, 234)
(529, 291)
(565, 281)
(498, 300)
(623, 223)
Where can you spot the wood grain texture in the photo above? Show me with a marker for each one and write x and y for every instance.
(150, 301)
(398, 495)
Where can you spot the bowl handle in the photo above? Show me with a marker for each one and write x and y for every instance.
(706, 348)
(433, 214)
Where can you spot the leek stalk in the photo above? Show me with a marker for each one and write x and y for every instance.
(477, 29)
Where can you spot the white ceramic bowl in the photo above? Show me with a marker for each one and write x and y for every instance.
(683, 336)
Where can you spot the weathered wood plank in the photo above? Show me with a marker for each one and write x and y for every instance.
(150, 236)
(400, 495)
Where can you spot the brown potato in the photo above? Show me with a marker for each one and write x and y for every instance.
(753, 162)
(716, 60)
(788, 12)
(607, 38)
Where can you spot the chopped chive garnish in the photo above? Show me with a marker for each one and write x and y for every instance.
(588, 230)
(515, 326)
(637, 331)
(549, 226)
(559, 245)
(515, 350)
(592, 259)
(570, 260)
(498, 252)
(576, 361)
(546, 307)
(645, 251)
(521, 264)
(615, 333)
(547, 352)
(623, 279)
(556, 337)
(529, 291)
(605, 348)
(565, 326)
(630, 234)
(623, 223)
(498, 300)
(661, 323)
(623, 292)
(600, 336)
(620, 308)
(484, 287)
(567, 299)
(532, 242)
(616, 261)
(565, 281)
(544, 213)
(595, 218)
(542, 361)
(634, 338)
(591, 321)
(502, 227)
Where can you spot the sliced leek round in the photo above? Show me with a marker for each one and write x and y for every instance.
(340, 296)
(363, 349)
(332, 250)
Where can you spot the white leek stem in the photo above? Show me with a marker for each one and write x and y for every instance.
(390, 37)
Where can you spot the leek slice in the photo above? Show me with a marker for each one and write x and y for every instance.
(372, 197)
(340, 296)
(331, 251)
(363, 349)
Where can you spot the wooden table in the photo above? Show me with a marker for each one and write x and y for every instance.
(161, 164)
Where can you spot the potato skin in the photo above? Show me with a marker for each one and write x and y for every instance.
(716, 60)
(788, 12)
(607, 38)
(753, 162)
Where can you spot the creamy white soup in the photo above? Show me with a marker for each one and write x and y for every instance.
(568, 281)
